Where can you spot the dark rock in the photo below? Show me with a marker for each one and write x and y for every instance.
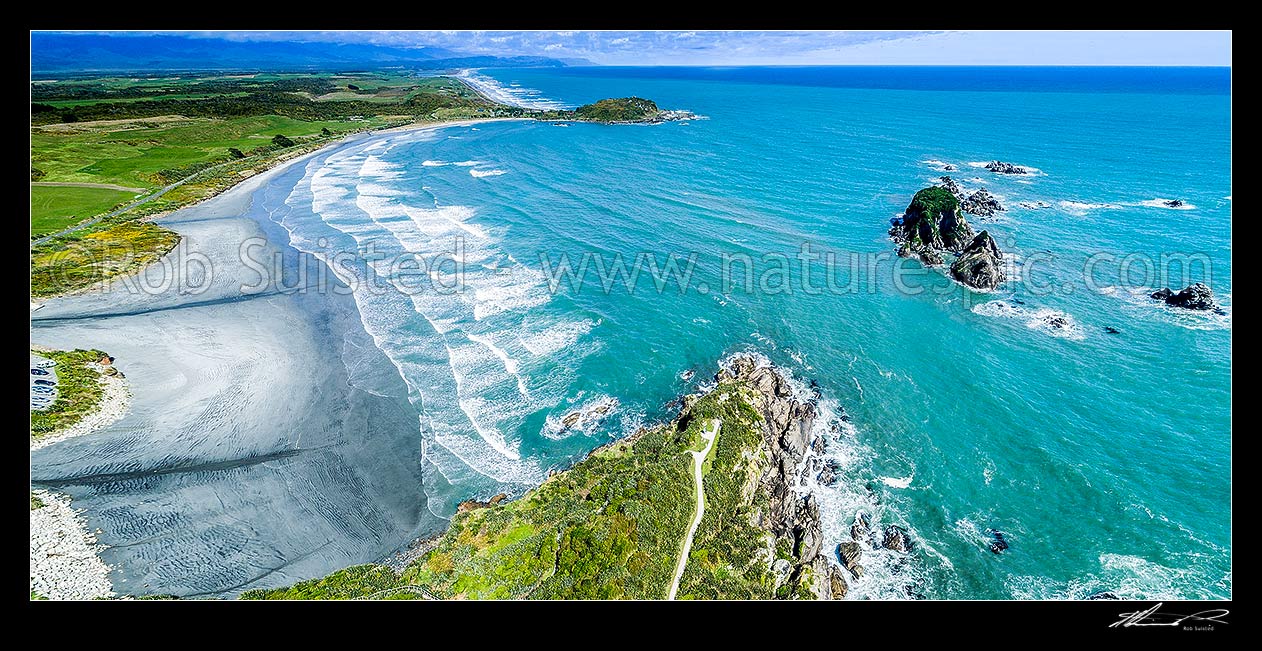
(1195, 297)
(1111, 330)
(982, 204)
(951, 186)
(897, 539)
(1173, 203)
(1102, 595)
(1056, 322)
(571, 419)
(687, 375)
(948, 168)
(980, 264)
(997, 542)
(1000, 167)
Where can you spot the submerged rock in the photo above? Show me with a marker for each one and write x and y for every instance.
(1173, 203)
(1102, 595)
(997, 543)
(981, 203)
(1197, 296)
(980, 264)
(1000, 167)
(1111, 330)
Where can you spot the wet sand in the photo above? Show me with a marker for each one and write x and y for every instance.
(250, 457)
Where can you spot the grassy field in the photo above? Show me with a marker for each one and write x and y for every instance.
(150, 132)
(78, 390)
(54, 208)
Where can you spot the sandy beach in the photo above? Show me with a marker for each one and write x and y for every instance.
(253, 453)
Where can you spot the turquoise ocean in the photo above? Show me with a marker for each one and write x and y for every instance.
(1104, 458)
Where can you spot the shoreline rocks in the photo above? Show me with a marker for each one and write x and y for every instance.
(1197, 296)
(790, 517)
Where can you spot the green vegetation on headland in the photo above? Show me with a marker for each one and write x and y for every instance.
(208, 132)
(78, 390)
(613, 526)
(627, 109)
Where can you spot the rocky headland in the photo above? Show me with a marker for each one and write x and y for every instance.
(614, 525)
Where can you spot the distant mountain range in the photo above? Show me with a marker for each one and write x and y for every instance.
(69, 53)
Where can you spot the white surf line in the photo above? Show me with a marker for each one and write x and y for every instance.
(709, 433)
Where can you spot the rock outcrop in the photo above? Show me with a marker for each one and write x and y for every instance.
(931, 225)
(981, 203)
(1197, 296)
(980, 264)
(1000, 167)
(793, 519)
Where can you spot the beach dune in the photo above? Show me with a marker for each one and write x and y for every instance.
(255, 453)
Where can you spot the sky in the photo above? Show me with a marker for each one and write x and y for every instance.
(700, 47)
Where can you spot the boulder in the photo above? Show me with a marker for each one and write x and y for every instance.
(850, 553)
(862, 527)
(897, 539)
(837, 584)
(1197, 296)
(980, 264)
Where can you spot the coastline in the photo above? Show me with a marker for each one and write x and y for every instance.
(214, 407)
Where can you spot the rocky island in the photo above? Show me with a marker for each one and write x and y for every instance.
(624, 110)
(615, 526)
(934, 225)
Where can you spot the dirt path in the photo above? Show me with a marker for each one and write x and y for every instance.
(102, 186)
(709, 433)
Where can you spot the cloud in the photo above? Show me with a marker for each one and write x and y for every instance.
(872, 47)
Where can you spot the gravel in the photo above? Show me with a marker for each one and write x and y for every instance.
(64, 561)
(64, 555)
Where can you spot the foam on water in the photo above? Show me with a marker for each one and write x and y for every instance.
(1161, 203)
(508, 94)
(480, 174)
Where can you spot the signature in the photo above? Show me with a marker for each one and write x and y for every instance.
(1152, 617)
